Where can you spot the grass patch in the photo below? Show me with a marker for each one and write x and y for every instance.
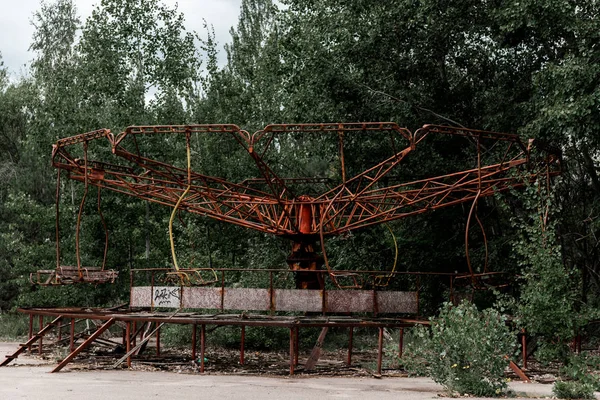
(13, 326)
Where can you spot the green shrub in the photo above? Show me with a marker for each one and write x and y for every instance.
(573, 390)
(579, 368)
(464, 350)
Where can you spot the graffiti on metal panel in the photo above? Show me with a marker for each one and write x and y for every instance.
(166, 297)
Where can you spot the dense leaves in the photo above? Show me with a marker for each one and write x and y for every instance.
(464, 350)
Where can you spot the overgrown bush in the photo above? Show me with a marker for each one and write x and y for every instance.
(464, 350)
(548, 306)
(580, 367)
(573, 390)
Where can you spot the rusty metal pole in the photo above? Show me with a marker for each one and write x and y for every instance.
(128, 342)
(194, 329)
(158, 341)
(242, 345)
(30, 331)
(41, 338)
(296, 344)
(380, 351)
(350, 335)
(524, 348)
(83, 345)
(291, 351)
(202, 346)
(72, 335)
(401, 342)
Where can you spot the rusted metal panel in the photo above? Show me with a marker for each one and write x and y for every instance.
(166, 297)
(388, 302)
(397, 302)
(201, 297)
(349, 301)
(246, 299)
(298, 300)
(141, 296)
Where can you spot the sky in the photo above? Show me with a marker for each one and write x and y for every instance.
(16, 30)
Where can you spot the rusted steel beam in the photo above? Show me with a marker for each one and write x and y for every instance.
(202, 346)
(317, 350)
(519, 372)
(82, 346)
(194, 328)
(268, 211)
(41, 318)
(380, 351)
(242, 344)
(296, 345)
(72, 335)
(292, 341)
(350, 343)
(32, 339)
(30, 334)
(128, 342)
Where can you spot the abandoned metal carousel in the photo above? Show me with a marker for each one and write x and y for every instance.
(340, 195)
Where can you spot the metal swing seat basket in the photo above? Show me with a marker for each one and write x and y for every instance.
(68, 274)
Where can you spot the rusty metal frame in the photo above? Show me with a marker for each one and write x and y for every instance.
(294, 324)
(268, 203)
(357, 202)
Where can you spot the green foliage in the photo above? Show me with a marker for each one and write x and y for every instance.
(582, 368)
(573, 390)
(464, 350)
(547, 306)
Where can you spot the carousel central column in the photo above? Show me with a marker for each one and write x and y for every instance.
(303, 257)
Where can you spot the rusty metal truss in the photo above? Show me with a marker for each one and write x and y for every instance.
(346, 199)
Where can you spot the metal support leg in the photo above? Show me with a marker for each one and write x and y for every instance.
(72, 335)
(292, 341)
(242, 344)
(380, 351)
(296, 344)
(30, 331)
(41, 339)
(128, 342)
(202, 346)
(83, 345)
(194, 330)
(350, 337)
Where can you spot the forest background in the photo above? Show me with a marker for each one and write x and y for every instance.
(528, 67)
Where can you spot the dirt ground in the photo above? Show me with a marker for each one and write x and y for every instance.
(28, 377)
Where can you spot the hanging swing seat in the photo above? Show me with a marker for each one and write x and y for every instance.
(67, 275)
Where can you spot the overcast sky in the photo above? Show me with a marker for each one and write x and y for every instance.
(16, 30)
